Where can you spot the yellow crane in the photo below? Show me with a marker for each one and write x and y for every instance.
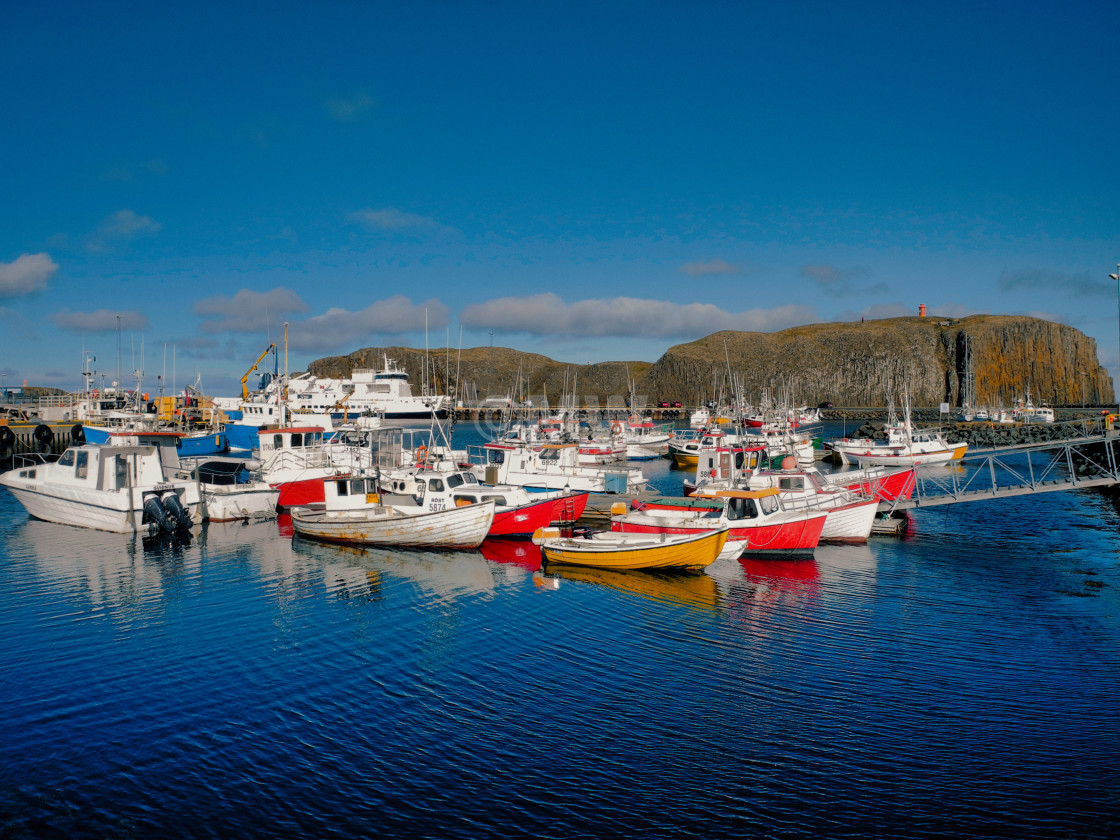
(248, 373)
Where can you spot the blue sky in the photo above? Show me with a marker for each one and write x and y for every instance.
(590, 181)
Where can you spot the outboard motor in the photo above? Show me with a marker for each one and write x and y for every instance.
(155, 515)
(176, 513)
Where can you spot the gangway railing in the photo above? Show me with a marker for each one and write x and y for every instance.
(1044, 467)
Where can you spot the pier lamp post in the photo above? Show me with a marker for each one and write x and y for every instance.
(1116, 277)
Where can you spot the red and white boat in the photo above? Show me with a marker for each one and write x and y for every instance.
(851, 512)
(296, 459)
(757, 521)
(518, 513)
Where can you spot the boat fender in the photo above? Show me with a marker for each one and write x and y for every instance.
(78, 434)
(7, 442)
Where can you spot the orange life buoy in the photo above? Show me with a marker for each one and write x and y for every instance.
(421, 454)
(616, 427)
(635, 419)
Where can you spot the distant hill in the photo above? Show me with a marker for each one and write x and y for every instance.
(845, 363)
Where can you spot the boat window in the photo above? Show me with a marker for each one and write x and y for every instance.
(496, 456)
(469, 478)
(297, 440)
(501, 500)
(357, 486)
(739, 460)
(467, 499)
(278, 441)
(436, 485)
(789, 483)
(742, 509)
(454, 480)
(550, 455)
(67, 459)
(81, 468)
(341, 489)
(769, 504)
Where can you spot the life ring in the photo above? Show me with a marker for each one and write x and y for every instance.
(616, 428)
(635, 419)
(421, 454)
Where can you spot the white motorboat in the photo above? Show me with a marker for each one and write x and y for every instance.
(121, 486)
(554, 466)
(353, 513)
(231, 490)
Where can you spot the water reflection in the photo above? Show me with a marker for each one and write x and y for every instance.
(119, 571)
(512, 552)
(695, 590)
(443, 574)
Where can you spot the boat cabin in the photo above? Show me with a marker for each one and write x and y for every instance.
(298, 440)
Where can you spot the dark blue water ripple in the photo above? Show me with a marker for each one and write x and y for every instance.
(958, 682)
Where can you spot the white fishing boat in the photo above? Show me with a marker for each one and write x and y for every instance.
(903, 446)
(554, 466)
(353, 513)
(850, 513)
(232, 490)
(644, 439)
(124, 486)
(1025, 411)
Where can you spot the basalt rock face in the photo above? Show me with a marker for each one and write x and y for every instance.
(854, 364)
(869, 363)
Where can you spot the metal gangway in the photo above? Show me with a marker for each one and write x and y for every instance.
(1092, 459)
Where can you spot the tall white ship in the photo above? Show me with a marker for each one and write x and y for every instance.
(385, 392)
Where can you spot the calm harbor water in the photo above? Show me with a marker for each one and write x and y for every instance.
(960, 682)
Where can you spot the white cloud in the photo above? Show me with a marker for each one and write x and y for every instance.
(122, 226)
(249, 311)
(392, 220)
(345, 110)
(125, 224)
(702, 269)
(101, 320)
(547, 314)
(27, 274)
(342, 329)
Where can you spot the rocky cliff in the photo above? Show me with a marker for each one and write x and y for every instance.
(862, 364)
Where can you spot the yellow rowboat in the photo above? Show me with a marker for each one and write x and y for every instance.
(617, 550)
